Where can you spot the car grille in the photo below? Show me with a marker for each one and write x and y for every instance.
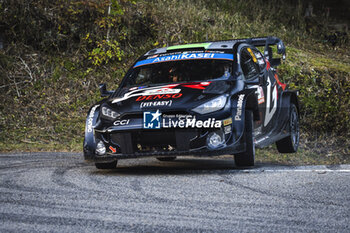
(154, 140)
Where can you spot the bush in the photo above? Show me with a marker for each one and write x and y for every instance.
(57, 52)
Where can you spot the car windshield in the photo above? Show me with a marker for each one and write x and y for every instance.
(179, 71)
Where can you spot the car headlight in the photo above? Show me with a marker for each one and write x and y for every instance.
(108, 113)
(212, 105)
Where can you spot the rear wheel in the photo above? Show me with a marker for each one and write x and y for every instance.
(246, 159)
(166, 158)
(111, 165)
(290, 144)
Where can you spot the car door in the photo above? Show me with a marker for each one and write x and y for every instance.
(253, 65)
(267, 94)
(251, 72)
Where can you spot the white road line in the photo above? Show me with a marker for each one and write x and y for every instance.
(344, 168)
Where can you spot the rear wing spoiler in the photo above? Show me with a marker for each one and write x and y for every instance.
(267, 42)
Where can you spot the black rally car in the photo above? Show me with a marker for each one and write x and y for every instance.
(211, 98)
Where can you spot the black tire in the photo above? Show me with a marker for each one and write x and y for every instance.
(290, 144)
(166, 158)
(111, 165)
(246, 159)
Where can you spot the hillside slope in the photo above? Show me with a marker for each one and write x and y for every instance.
(56, 53)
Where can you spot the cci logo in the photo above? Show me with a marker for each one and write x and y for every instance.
(151, 120)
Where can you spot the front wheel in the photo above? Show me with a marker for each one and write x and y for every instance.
(246, 159)
(111, 165)
(290, 144)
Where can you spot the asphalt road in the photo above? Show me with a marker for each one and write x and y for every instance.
(59, 192)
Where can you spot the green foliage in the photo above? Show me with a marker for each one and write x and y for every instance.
(106, 51)
(324, 90)
(57, 52)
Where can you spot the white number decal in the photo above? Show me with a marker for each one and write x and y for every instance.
(269, 113)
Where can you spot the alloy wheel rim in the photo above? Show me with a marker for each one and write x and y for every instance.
(294, 128)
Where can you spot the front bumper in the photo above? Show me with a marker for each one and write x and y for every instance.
(89, 156)
(160, 143)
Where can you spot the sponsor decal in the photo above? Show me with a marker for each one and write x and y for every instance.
(259, 93)
(261, 97)
(178, 116)
(151, 120)
(185, 56)
(91, 118)
(190, 122)
(156, 103)
(160, 91)
(227, 129)
(227, 121)
(146, 91)
(158, 97)
(168, 91)
(112, 149)
(155, 120)
(239, 107)
(121, 122)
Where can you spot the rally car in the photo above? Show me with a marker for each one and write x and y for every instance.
(202, 99)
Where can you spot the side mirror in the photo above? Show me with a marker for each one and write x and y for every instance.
(281, 49)
(103, 90)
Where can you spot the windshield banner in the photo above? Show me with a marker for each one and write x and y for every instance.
(185, 56)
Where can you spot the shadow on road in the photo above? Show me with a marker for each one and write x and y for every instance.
(180, 166)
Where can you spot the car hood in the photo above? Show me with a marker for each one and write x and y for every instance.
(170, 97)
